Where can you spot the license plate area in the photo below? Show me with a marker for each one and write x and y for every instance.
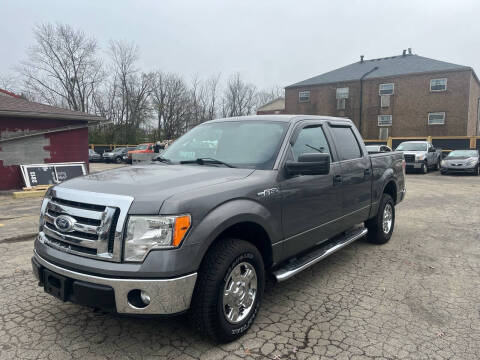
(55, 285)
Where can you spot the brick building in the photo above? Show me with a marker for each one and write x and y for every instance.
(403, 95)
(33, 133)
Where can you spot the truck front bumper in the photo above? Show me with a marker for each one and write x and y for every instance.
(167, 296)
(414, 165)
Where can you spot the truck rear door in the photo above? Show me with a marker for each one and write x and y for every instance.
(355, 178)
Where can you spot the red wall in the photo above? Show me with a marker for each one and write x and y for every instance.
(65, 146)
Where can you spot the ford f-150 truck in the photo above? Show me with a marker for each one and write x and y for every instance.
(420, 155)
(226, 205)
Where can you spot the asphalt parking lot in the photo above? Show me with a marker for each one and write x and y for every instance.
(416, 297)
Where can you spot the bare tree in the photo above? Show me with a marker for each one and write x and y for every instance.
(62, 67)
(125, 96)
(239, 98)
(172, 103)
(9, 82)
(265, 96)
(203, 99)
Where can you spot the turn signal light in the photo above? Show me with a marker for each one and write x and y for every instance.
(182, 224)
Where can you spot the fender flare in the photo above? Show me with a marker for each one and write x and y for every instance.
(228, 214)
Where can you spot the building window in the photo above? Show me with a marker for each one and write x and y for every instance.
(437, 118)
(383, 133)
(342, 93)
(341, 104)
(384, 120)
(385, 101)
(304, 96)
(386, 89)
(438, 84)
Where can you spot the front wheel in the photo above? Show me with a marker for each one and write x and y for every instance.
(439, 164)
(424, 168)
(477, 170)
(380, 228)
(228, 291)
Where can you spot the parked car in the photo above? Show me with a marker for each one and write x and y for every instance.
(202, 227)
(461, 161)
(373, 149)
(116, 155)
(140, 149)
(93, 156)
(420, 155)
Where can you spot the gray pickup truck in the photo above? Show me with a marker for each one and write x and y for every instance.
(228, 204)
(420, 155)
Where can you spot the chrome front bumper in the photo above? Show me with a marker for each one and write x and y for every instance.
(168, 296)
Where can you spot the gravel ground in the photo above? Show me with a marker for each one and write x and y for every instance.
(413, 298)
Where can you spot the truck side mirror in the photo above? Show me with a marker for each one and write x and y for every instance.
(431, 149)
(309, 164)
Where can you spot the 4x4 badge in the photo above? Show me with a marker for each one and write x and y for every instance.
(268, 192)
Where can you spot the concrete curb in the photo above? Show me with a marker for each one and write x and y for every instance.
(18, 238)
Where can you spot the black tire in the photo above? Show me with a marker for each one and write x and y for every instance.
(118, 160)
(439, 164)
(424, 168)
(477, 171)
(376, 233)
(207, 313)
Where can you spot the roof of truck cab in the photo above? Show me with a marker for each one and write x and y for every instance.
(281, 118)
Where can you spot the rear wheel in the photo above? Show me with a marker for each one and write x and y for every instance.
(228, 291)
(380, 228)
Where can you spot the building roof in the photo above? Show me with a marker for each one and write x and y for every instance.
(275, 104)
(385, 67)
(13, 106)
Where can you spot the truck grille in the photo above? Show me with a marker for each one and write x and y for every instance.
(409, 158)
(85, 229)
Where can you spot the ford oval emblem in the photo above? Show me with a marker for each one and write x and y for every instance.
(65, 223)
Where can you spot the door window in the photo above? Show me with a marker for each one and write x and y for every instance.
(310, 139)
(346, 143)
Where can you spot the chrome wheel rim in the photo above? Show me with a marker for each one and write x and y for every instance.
(387, 218)
(239, 293)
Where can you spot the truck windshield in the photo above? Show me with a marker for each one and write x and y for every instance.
(412, 147)
(247, 144)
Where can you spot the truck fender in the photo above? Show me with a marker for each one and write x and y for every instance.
(379, 188)
(228, 214)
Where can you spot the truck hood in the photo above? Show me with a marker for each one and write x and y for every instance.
(151, 185)
(413, 152)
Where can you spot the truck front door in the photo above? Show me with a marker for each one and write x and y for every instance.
(311, 204)
(355, 177)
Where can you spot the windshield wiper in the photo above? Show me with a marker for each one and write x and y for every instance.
(206, 160)
(314, 148)
(162, 159)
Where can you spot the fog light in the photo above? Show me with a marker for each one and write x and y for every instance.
(138, 299)
(145, 297)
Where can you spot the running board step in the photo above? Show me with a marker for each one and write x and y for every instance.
(301, 263)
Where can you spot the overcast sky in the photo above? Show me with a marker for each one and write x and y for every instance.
(270, 43)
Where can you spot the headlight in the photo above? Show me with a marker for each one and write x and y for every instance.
(420, 157)
(442, 163)
(471, 161)
(145, 233)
